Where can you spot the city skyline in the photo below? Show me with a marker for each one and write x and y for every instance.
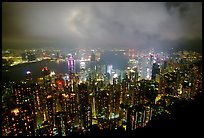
(100, 69)
(136, 25)
(98, 98)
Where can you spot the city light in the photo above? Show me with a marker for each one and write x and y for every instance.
(82, 73)
(115, 75)
(15, 111)
(28, 72)
(52, 73)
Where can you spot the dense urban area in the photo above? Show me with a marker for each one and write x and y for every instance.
(118, 90)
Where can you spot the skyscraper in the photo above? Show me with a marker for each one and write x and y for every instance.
(71, 66)
(93, 57)
(85, 118)
(46, 77)
(155, 70)
(21, 119)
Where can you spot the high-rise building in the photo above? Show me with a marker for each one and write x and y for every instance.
(46, 77)
(71, 66)
(155, 70)
(93, 57)
(45, 91)
(109, 69)
(71, 109)
(60, 122)
(82, 74)
(84, 107)
(29, 77)
(60, 82)
(25, 92)
(20, 120)
(51, 113)
(102, 103)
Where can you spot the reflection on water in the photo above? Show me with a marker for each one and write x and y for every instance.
(17, 73)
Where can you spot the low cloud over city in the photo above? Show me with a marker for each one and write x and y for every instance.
(104, 25)
(100, 69)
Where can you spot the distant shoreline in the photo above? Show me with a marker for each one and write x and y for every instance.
(21, 64)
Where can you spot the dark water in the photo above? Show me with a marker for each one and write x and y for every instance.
(18, 72)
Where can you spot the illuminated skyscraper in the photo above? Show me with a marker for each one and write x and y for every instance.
(20, 120)
(82, 75)
(46, 77)
(60, 82)
(51, 112)
(82, 66)
(28, 76)
(109, 69)
(85, 118)
(71, 65)
(102, 104)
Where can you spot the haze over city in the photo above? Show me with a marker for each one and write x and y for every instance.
(138, 25)
(101, 69)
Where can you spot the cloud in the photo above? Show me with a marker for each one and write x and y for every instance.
(136, 25)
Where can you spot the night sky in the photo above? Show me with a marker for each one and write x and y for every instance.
(105, 25)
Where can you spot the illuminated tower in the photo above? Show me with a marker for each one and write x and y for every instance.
(25, 99)
(82, 66)
(60, 82)
(84, 107)
(46, 77)
(70, 65)
(28, 76)
(51, 112)
(82, 72)
(109, 69)
(19, 121)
